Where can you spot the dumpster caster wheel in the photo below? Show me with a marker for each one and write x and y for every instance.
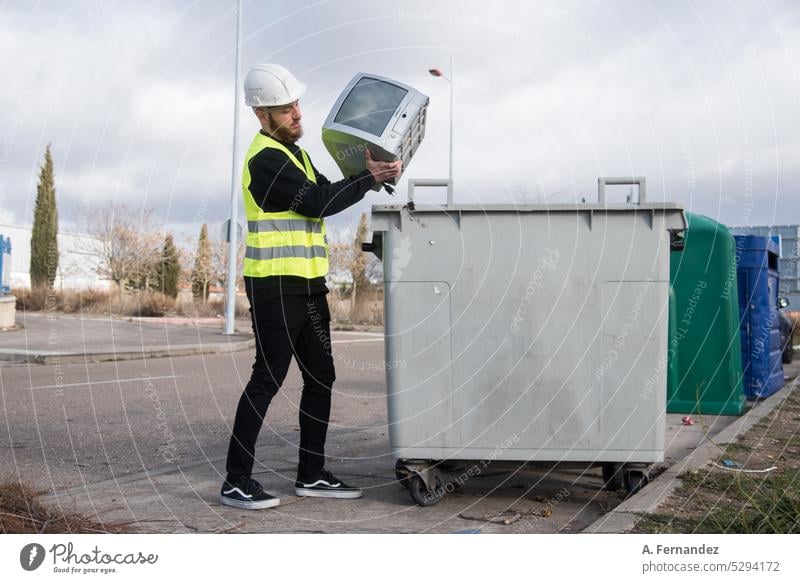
(420, 494)
(635, 480)
(402, 476)
(613, 477)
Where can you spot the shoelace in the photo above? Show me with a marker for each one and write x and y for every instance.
(253, 487)
(328, 476)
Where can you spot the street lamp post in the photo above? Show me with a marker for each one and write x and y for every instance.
(438, 73)
(230, 292)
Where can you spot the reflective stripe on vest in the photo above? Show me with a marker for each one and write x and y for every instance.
(286, 242)
(279, 252)
(281, 225)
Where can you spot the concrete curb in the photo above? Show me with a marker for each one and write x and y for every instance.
(624, 517)
(47, 357)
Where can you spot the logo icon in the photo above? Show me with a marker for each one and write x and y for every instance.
(31, 556)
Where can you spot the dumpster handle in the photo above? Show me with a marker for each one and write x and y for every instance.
(414, 182)
(617, 180)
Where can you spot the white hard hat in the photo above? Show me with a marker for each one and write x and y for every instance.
(269, 85)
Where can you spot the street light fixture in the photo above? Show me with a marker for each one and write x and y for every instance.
(439, 73)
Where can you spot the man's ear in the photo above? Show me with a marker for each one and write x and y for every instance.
(262, 115)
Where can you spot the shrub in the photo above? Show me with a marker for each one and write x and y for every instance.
(38, 299)
(89, 301)
(147, 304)
(368, 310)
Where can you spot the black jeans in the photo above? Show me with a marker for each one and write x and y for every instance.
(286, 325)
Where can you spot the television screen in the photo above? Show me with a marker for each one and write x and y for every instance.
(370, 105)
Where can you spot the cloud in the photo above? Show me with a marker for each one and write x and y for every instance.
(137, 98)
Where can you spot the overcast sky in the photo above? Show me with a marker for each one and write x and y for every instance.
(702, 98)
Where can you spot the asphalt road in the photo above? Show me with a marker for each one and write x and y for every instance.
(81, 423)
(73, 425)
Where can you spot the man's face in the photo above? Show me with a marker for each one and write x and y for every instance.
(283, 122)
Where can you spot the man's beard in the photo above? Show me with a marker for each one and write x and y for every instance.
(287, 134)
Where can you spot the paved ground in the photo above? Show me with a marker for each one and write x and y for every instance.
(64, 338)
(145, 440)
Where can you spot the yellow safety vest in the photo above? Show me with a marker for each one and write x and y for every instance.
(286, 242)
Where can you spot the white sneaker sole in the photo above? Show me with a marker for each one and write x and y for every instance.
(311, 493)
(244, 505)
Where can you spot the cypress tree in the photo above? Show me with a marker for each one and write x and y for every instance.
(168, 269)
(44, 235)
(201, 274)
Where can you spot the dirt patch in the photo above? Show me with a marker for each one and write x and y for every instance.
(752, 486)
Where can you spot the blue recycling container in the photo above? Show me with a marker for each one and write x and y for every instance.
(757, 276)
(5, 265)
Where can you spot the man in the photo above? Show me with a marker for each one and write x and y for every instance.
(286, 260)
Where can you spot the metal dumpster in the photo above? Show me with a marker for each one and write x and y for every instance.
(757, 271)
(525, 333)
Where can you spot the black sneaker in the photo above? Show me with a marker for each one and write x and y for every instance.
(246, 493)
(325, 485)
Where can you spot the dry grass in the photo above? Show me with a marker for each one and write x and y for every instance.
(211, 309)
(367, 311)
(716, 500)
(100, 302)
(22, 513)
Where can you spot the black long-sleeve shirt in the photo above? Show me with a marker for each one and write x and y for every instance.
(277, 185)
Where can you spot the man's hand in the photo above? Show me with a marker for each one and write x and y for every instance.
(382, 171)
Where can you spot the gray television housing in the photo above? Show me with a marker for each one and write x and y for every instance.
(401, 125)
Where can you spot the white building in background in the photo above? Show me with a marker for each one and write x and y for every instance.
(78, 261)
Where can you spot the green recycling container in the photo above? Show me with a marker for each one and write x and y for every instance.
(704, 354)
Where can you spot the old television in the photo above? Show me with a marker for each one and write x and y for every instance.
(373, 112)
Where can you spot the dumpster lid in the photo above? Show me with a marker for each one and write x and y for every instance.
(540, 208)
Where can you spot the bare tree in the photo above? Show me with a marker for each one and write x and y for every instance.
(359, 263)
(374, 270)
(524, 193)
(340, 264)
(125, 243)
(219, 260)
